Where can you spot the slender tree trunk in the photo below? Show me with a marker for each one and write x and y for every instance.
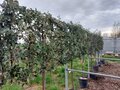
(91, 61)
(43, 80)
(82, 65)
(11, 61)
(43, 72)
(72, 80)
(1, 73)
(11, 57)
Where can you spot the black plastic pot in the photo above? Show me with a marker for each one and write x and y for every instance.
(92, 76)
(95, 68)
(83, 82)
(102, 61)
(99, 64)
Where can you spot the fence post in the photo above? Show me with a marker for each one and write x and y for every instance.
(66, 77)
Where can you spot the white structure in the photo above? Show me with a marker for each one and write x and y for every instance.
(110, 46)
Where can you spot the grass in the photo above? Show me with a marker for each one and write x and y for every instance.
(112, 57)
(9, 86)
(53, 87)
(36, 80)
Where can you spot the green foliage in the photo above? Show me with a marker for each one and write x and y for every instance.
(53, 87)
(36, 80)
(108, 56)
(59, 69)
(9, 86)
(48, 42)
(49, 79)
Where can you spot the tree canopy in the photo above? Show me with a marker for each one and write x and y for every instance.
(47, 41)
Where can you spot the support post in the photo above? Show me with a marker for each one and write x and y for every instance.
(66, 77)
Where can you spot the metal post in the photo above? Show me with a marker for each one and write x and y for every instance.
(66, 77)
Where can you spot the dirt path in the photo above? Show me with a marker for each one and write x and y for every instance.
(105, 83)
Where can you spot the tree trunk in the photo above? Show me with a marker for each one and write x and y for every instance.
(43, 80)
(11, 61)
(1, 74)
(72, 81)
(82, 65)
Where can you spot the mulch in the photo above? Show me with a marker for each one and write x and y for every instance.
(106, 83)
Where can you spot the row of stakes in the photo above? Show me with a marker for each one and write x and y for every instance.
(84, 81)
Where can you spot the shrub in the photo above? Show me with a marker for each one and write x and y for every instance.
(48, 79)
(53, 87)
(36, 80)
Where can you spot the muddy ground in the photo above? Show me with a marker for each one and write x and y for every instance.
(106, 83)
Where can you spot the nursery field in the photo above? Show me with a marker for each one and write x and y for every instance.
(55, 79)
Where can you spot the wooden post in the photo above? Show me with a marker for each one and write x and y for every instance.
(43, 80)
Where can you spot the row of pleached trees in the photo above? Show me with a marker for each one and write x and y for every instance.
(33, 42)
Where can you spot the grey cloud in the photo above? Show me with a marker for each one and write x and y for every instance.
(90, 13)
(109, 4)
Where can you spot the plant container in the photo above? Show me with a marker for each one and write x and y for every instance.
(92, 76)
(83, 82)
(102, 61)
(95, 68)
(99, 64)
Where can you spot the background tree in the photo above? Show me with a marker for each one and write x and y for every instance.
(116, 30)
(115, 34)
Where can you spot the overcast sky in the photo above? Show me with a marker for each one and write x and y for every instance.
(92, 14)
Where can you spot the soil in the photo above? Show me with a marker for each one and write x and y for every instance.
(34, 87)
(106, 83)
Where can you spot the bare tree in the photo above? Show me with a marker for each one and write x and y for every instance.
(115, 34)
(116, 30)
